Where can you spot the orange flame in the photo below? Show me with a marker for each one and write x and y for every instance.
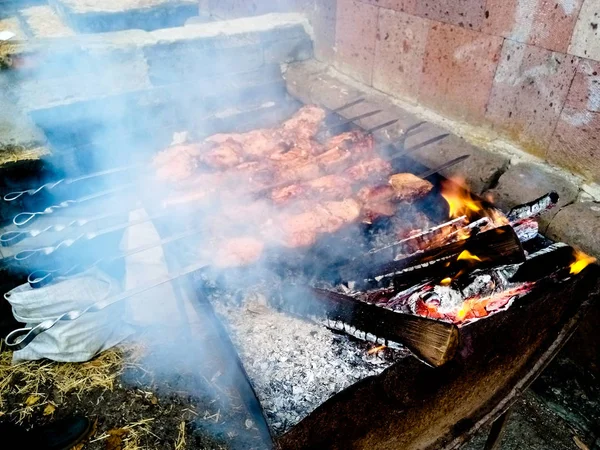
(446, 281)
(375, 350)
(582, 260)
(461, 203)
(468, 256)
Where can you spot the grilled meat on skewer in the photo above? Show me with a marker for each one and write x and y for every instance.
(223, 151)
(178, 162)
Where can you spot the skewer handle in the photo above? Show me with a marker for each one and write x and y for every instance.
(12, 196)
(13, 237)
(25, 218)
(21, 337)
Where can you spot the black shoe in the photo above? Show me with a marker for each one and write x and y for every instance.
(60, 435)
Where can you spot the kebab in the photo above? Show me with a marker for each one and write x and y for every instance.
(302, 229)
(224, 151)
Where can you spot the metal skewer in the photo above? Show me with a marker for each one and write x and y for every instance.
(350, 120)
(12, 196)
(444, 166)
(41, 278)
(14, 237)
(349, 105)
(419, 146)
(24, 218)
(382, 126)
(20, 338)
(26, 254)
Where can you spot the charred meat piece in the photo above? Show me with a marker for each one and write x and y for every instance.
(345, 149)
(255, 144)
(305, 123)
(178, 162)
(370, 170)
(226, 155)
(402, 187)
(286, 194)
(240, 251)
(409, 187)
(374, 211)
(350, 139)
(329, 187)
(376, 194)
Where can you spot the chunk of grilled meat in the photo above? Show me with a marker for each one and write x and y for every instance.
(239, 251)
(255, 144)
(408, 187)
(302, 229)
(226, 155)
(329, 187)
(402, 187)
(374, 169)
(305, 123)
(178, 162)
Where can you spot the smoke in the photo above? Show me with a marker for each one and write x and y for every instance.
(113, 100)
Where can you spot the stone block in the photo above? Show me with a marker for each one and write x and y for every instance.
(100, 16)
(529, 91)
(43, 22)
(356, 29)
(399, 52)
(525, 182)
(322, 16)
(543, 23)
(173, 63)
(586, 34)
(578, 225)
(92, 73)
(576, 140)
(458, 71)
(478, 173)
(464, 13)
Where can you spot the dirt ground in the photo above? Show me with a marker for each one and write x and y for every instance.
(129, 408)
(133, 408)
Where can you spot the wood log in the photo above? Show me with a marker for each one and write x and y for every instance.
(492, 248)
(431, 341)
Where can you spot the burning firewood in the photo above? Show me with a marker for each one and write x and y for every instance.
(431, 341)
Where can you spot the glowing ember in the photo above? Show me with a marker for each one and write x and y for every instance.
(582, 260)
(468, 256)
(446, 281)
(375, 350)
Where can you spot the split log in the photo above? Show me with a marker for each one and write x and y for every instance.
(431, 341)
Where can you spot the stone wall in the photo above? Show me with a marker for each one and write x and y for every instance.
(526, 70)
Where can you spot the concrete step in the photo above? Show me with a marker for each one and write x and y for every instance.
(98, 16)
(42, 22)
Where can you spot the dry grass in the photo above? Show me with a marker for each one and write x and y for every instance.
(29, 379)
(180, 444)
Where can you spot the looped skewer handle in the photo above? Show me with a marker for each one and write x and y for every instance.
(21, 337)
(12, 196)
(13, 237)
(26, 254)
(41, 278)
(24, 218)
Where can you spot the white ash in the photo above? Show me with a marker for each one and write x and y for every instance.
(296, 365)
